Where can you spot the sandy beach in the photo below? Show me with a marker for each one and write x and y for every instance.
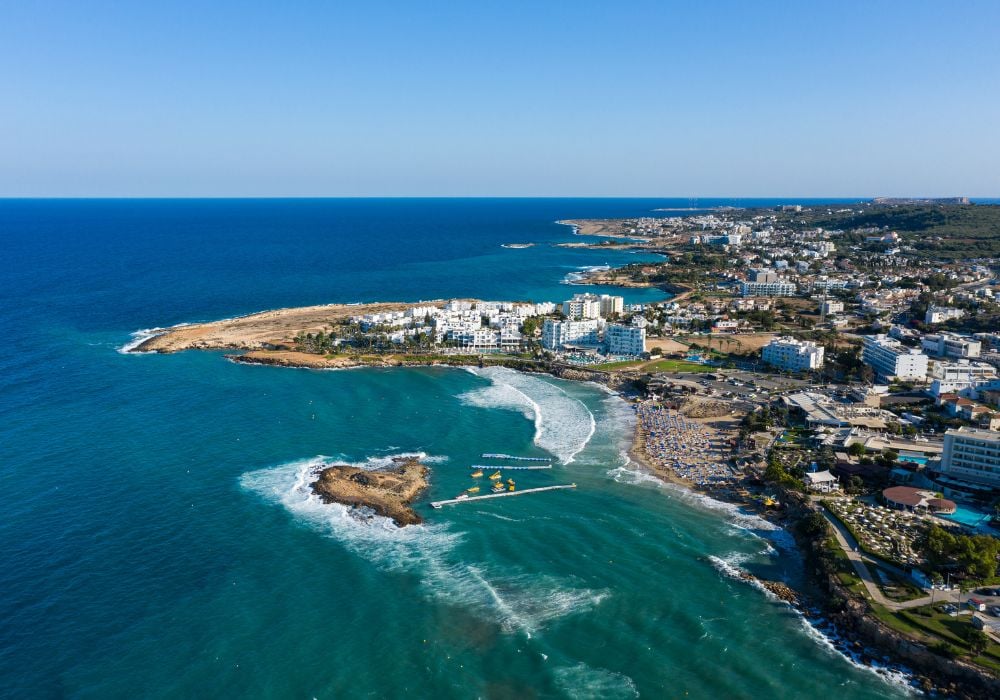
(680, 449)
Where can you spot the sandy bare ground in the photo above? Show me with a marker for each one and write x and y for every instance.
(667, 345)
(609, 228)
(260, 330)
(740, 344)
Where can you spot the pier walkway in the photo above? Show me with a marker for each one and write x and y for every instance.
(453, 501)
(505, 467)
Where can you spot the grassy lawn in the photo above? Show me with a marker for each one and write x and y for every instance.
(610, 366)
(678, 366)
(898, 589)
(930, 625)
(845, 570)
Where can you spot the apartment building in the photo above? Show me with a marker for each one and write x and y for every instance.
(793, 355)
(972, 455)
(892, 360)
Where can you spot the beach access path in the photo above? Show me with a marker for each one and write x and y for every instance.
(860, 562)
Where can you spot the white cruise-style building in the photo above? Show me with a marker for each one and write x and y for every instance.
(556, 334)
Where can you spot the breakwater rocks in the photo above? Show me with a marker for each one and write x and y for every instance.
(388, 492)
(776, 588)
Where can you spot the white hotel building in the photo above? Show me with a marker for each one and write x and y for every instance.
(951, 345)
(794, 355)
(956, 377)
(972, 455)
(777, 288)
(593, 306)
(892, 360)
(556, 334)
(624, 340)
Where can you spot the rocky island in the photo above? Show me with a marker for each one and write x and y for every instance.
(388, 492)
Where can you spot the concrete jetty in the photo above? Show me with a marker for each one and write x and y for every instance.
(453, 501)
(504, 467)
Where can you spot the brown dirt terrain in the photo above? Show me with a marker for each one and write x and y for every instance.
(389, 492)
(260, 330)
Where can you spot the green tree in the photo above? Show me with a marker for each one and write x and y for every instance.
(813, 525)
(977, 640)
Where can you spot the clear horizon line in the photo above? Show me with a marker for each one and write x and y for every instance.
(486, 196)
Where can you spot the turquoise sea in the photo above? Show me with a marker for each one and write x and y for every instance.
(157, 536)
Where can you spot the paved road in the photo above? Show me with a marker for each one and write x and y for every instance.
(859, 559)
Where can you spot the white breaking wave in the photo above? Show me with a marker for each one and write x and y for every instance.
(142, 335)
(731, 567)
(830, 640)
(626, 475)
(748, 523)
(582, 682)
(581, 272)
(563, 424)
(516, 602)
(138, 338)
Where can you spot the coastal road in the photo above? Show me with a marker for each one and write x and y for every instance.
(858, 560)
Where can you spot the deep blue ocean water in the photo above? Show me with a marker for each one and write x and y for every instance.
(157, 538)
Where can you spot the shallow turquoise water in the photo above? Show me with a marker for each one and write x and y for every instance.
(157, 540)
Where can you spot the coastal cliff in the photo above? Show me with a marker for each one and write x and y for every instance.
(388, 492)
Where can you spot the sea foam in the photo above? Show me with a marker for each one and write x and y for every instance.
(582, 681)
(563, 425)
(818, 630)
(517, 601)
(580, 273)
(137, 338)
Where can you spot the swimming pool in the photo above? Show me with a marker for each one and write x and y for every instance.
(970, 517)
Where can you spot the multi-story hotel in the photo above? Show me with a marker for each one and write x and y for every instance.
(951, 345)
(892, 360)
(795, 355)
(593, 306)
(556, 334)
(972, 455)
(624, 340)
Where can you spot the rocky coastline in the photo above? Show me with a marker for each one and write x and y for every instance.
(388, 492)
(850, 620)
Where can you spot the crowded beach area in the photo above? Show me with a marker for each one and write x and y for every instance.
(680, 448)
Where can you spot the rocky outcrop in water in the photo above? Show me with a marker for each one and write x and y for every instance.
(388, 492)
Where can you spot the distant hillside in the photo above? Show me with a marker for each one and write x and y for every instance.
(943, 231)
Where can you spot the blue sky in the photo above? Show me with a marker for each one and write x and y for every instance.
(499, 98)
